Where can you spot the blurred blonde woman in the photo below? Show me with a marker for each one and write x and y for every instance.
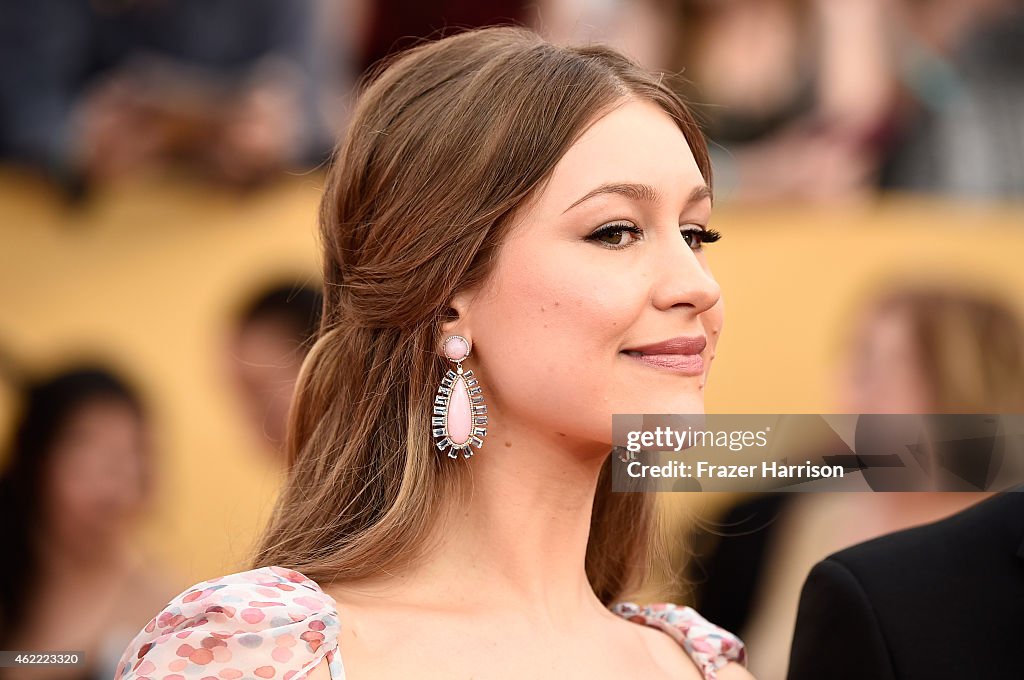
(918, 348)
(514, 249)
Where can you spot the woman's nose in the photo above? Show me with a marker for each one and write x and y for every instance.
(681, 280)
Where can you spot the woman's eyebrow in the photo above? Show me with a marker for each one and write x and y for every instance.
(639, 192)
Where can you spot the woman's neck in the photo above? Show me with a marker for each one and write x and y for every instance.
(518, 542)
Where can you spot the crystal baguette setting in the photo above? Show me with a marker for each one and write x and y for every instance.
(459, 419)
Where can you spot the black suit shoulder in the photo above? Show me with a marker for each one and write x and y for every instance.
(838, 635)
(965, 540)
(944, 600)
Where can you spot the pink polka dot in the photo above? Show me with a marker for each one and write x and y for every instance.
(211, 642)
(286, 640)
(252, 615)
(230, 674)
(314, 640)
(178, 665)
(317, 625)
(221, 654)
(145, 666)
(281, 654)
(201, 656)
(290, 574)
(308, 602)
(168, 620)
(185, 650)
(267, 592)
(264, 671)
(175, 676)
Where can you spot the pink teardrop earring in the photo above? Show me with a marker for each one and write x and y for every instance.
(460, 415)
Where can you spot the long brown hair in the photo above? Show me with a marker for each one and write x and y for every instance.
(446, 142)
(969, 346)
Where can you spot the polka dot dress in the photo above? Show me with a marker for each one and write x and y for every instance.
(264, 623)
(709, 646)
(275, 623)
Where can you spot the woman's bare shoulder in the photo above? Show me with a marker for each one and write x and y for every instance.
(734, 671)
(667, 653)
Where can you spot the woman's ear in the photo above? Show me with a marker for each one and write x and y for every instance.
(457, 316)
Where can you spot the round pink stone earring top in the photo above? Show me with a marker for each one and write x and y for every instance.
(456, 348)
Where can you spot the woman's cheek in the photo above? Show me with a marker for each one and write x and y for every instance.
(551, 354)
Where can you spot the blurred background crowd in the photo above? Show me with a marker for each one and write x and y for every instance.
(159, 171)
(850, 96)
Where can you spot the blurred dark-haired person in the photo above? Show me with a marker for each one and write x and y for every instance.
(944, 600)
(796, 93)
(76, 476)
(268, 344)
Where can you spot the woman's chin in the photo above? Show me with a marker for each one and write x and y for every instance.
(671, 403)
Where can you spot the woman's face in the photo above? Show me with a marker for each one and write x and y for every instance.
(883, 373)
(96, 472)
(595, 266)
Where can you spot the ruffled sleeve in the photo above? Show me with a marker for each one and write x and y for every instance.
(709, 646)
(269, 622)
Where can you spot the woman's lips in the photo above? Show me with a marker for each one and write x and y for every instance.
(680, 355)
(684, 364)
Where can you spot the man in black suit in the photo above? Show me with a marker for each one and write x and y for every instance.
(944, 600)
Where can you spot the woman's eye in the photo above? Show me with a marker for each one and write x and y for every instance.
(696, 236)
(617, 235)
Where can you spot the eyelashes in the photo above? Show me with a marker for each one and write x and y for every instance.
(706, 235)
(612, 230)
(696, 235)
